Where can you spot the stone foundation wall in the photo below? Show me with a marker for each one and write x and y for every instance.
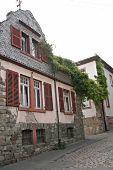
(110, 122)
(11, 148)
(89, 126)
(96, 124)
(93, 125)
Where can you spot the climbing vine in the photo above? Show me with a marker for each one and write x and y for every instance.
(82, 84)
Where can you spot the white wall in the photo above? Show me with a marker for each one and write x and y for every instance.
(90, 68)
(109, 110)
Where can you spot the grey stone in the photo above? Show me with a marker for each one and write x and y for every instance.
(1, 158)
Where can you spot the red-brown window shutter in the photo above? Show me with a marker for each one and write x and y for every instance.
(73, 101)
(61, 100)
(48, 97)
(16, 37)
(12, 88)
(43, 55)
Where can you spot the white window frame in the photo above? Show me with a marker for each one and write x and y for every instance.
(37, 87)
(66, 96)
(25, 83)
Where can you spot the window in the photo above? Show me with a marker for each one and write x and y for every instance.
(40, 135)
(12, 90)
(111, 80)
(35, 49)
(48, 97)
(24, 91)
(66, 101)
(27, 137)
(37, 94)
(38, 51)
(86, 104)
(25, 43)
(107, 102)
(70, 132)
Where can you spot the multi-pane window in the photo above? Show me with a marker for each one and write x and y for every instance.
(40, 135)
(24, 91)
(37, 94)
(27, 137)
(25, 43)
(66, 101)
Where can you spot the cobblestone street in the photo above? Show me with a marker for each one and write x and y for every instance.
(94, 153)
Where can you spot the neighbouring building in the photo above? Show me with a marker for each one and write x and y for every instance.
(37, 109)
(95, 122)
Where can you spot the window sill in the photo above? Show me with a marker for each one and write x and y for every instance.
(68, 113)
(32, 110)
(35, 58)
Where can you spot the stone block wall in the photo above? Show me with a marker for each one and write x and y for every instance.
(110, 122)
(94, 125)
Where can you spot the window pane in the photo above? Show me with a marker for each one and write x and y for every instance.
(26, 95)
(67, 104)
(23, 43)
(35, 98)
(34, 49)
(38, 98)
(70, 132)
(40, 135)
(21, 95)
(26, 137)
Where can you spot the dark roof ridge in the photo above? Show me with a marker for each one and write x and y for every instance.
(95, 58)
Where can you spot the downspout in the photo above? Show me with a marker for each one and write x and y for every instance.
(56, 101)
(104, 115)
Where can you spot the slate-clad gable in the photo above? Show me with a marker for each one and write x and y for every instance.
(13, 53)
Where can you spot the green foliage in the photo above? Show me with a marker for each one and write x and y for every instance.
(82, 84)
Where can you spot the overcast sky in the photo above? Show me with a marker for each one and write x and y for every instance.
(78, 28)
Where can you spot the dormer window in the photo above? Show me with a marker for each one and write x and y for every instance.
(21, 41)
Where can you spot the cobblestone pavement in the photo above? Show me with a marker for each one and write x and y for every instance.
(96, 155)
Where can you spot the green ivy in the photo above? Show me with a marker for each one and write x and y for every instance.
(82, 84)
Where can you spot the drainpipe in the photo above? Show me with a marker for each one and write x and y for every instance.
(58, 128)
